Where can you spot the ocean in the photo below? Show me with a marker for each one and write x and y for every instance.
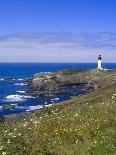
(13, 84)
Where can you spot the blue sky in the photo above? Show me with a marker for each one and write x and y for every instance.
(57, 30)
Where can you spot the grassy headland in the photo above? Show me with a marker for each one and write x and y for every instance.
(84, 125)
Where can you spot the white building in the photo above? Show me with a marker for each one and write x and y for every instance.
(100, 63)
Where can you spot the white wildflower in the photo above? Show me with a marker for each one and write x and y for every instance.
(1, 147)
(77, 114)
(15, 129)
(10, 134)
(8, 142)
(3, 153)
(19, 134)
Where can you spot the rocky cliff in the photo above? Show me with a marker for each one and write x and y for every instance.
(62, 81)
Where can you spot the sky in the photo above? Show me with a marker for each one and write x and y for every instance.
(57, 30)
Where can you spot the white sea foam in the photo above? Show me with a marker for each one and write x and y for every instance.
(13, 104)
(17, 98)
(1, 107)
(28, 97)
(30, 108)
(1, 79)
(14, 98)
(48, 105)
(20, 79)
(20, 91)
(13, 79)
(20, 84)
(34, 107)
(55, 99)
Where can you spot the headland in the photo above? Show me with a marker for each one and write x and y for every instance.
(82, 125)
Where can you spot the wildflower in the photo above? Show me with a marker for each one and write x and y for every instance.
(36, 122)
(76, 141)
(15, 129)
(62, 132)
(24, 125)
(19, 134)
(3, 153)
(55, 130)
(77, 114)
(8, 142)
(1, 147)
(95, 142)
(10, 134)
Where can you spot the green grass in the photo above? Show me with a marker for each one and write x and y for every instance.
(84, 125)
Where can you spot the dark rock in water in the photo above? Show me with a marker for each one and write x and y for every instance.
(91, 87)
(10, 78)
(8, 107)
(29, 80)
(29, 91)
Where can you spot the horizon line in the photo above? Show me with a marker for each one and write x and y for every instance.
(61, 62)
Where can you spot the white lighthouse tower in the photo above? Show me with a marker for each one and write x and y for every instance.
(100, 62)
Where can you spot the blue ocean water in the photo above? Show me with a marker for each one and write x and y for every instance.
(13, 85)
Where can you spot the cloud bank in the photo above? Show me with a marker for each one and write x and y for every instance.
(57, 47)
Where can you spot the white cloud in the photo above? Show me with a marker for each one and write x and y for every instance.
(57, 47)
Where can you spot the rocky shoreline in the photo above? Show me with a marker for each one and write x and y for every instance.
(68, 83)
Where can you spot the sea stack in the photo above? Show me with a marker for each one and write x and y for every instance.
(100, 62)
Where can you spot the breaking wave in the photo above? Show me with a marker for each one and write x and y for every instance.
(10, 79)
(20, 84)
(55, 99)
(31, 108)
(1, 107)
(20, 91)
(20, 79)
(17, 98)
(35, 107)
(1, 79)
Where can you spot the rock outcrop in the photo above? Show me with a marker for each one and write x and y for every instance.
(60, 82)
(46, 82)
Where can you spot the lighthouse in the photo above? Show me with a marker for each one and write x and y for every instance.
(99, 62)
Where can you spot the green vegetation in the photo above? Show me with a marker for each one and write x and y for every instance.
(72, 71)
(84, 125)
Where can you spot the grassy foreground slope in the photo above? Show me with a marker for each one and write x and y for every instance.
(84, 125)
